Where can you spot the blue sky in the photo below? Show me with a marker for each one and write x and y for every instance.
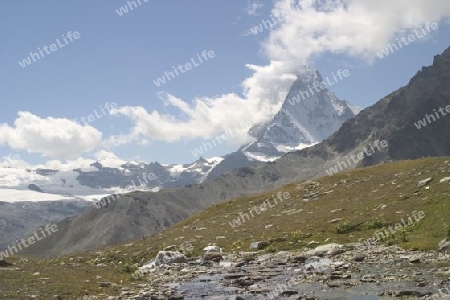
(117, 58)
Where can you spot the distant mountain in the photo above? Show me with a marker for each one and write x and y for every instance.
(393, 119)
(153, 176)
(99, 180)
(310, 114)
(307, 116)
(33, 197)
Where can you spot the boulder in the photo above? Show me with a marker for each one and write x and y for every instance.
(317, 264)
(445, 179)
(442, 242)
(259, 245)
(415, 259)
(4, 263)
(212, 256)
(170, 248)
(444, 245)
(425, 181)
(166, 258)
(328, 249)
(213, 248)
(359, 257)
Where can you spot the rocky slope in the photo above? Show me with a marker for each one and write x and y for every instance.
(17, 220)
(391, 119)
(333, 271)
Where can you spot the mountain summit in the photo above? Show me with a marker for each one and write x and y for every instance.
(309, 114)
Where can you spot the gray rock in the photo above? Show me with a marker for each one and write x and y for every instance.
(313, 243)
(336, 220)
(165, 258)
(170, 248)
(213, 256)
(104, 284)
(328, 249)
(444, 247)
(176, 297)
(359, 257)
(317, 264)
(258, 245)
(425, 181)
(415, 259)
(445, 179)
(368, 278)
(213, 248)
(35, 188)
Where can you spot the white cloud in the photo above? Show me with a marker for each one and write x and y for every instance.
(109, 159)
(105, 158)
(67, 165)
(253, 7)
(209, 117)
(51, 137)
(357, 28)
(12, 161)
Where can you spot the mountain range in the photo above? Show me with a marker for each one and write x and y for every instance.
(295, 126)
(391, 119)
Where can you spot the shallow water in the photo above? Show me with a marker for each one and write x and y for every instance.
(218, 288)
(211, 287)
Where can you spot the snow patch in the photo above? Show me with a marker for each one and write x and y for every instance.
(14, 195)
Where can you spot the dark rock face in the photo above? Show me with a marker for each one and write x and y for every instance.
(232, 161)
(393, 118)
(45, 172)
(35, 188)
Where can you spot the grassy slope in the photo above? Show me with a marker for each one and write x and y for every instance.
(358, 193)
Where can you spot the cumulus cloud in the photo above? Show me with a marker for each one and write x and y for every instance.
(105, 158)
(12, 161)
(52, 137)
(357, 28)
(208, 117)
(109, 159)
(67, 165)
(306, 29)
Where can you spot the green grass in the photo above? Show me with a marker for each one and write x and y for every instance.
(356, 197)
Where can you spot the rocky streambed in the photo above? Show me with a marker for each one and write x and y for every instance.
(333, 271)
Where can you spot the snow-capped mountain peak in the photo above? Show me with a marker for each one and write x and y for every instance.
(309, 114)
